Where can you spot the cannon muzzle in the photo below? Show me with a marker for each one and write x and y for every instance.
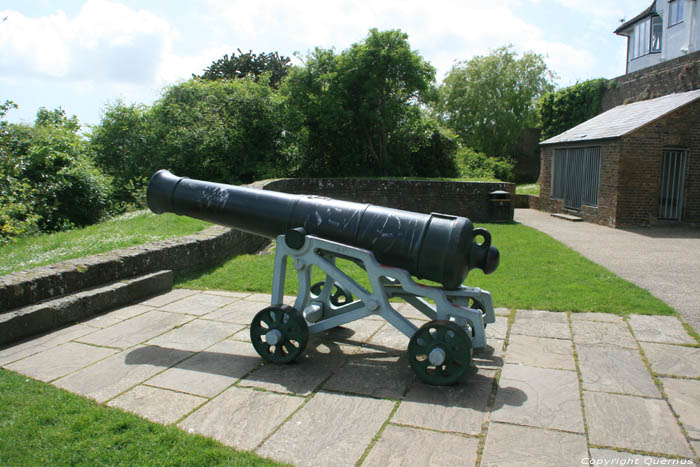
(438, 247)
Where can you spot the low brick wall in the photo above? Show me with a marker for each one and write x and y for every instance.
(467, 199)
(191, 252)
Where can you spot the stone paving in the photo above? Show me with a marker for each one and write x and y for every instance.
(550, 388)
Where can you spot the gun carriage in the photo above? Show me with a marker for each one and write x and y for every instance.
(392, 246)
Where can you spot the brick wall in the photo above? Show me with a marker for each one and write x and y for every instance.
(677, 75)
(467, 199)
(630, 172)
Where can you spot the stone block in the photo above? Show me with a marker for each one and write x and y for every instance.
(40, 343)
(157, 405)
(210, 372)
(239, 312)
(490, 356)
(136, 330)
(375, 374)
(538, 397)
(540, 352)
(541, 324)
(195, 335)
(603, 333)
(168, 297)
(114, 375)
(350, 424)
(59, 361)
(629, 422)
(600, 317)
(660, 329)
(514, 446)
(684, 397)
(498, 329)
(400, 445)
(241, 418)
(198, 304)
(117, 316)
(610, 368)
(673, 360)
(461, 408)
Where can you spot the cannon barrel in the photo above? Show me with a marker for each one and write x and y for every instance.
(438, 247)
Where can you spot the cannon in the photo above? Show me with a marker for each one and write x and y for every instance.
(393, 247)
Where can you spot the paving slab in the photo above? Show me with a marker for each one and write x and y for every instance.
(116, 316)
(603, 333)
(673, 360)
(241, 418)
(350, 424)
(114, 375)
(660, 329)
(609, 457)
(210, 372)
(59, 361)
(238, 312)
(594, 316)
(460, 408)
(541, 324)
(198, 304)
(498, 329)
(43, 342)
(226, 293)
(684, 397)
(399, 446)
(136, 330)
(630, 422)
(390, 339)
(375, 374)
(169, 297)
(196, 335)
(548, 398)
(303, 375)
(490, 356)
(540, 352)
(157, 405)
(609, 368)
(354, 333)
(512, 445)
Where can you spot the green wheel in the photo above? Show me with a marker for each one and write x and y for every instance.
(440, 352)
(279, 333)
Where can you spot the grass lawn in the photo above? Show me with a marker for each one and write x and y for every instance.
(44, 425)
(127, 230)
(536, 272)
(528, 189)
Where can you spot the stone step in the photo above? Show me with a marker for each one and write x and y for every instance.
(50, 314)
(567, 217)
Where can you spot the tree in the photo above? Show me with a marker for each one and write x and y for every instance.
(489, 100)
(249, 65)
(359, 112)
(56, 118)
(224, 131)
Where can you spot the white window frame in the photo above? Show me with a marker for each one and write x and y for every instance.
(643, 35)
(675, 12)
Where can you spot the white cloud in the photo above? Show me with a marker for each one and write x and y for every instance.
(106, 42)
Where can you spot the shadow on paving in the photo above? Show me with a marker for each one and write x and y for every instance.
(376, 368)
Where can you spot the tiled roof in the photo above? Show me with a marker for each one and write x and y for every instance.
(644, 14)
(624, 119)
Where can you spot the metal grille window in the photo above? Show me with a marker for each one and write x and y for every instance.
(672, 189)
(576, 176)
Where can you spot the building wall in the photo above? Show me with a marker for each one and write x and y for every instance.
(677, 75)
(677, 41)
(640, 166)
(605, 212)
(630, 172)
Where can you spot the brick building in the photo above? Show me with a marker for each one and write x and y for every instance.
(636, 164)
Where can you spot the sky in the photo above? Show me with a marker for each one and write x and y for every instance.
(84, 55)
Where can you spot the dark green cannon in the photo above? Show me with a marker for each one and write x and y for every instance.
(391, 245)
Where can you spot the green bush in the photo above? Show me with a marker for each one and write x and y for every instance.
(49, 180)
(566, 108)
(474, 164)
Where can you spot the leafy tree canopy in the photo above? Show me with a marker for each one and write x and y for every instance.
(489, 100)
(249, 65)
(56, 118)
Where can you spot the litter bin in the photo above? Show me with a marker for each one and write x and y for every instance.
(501, 206)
